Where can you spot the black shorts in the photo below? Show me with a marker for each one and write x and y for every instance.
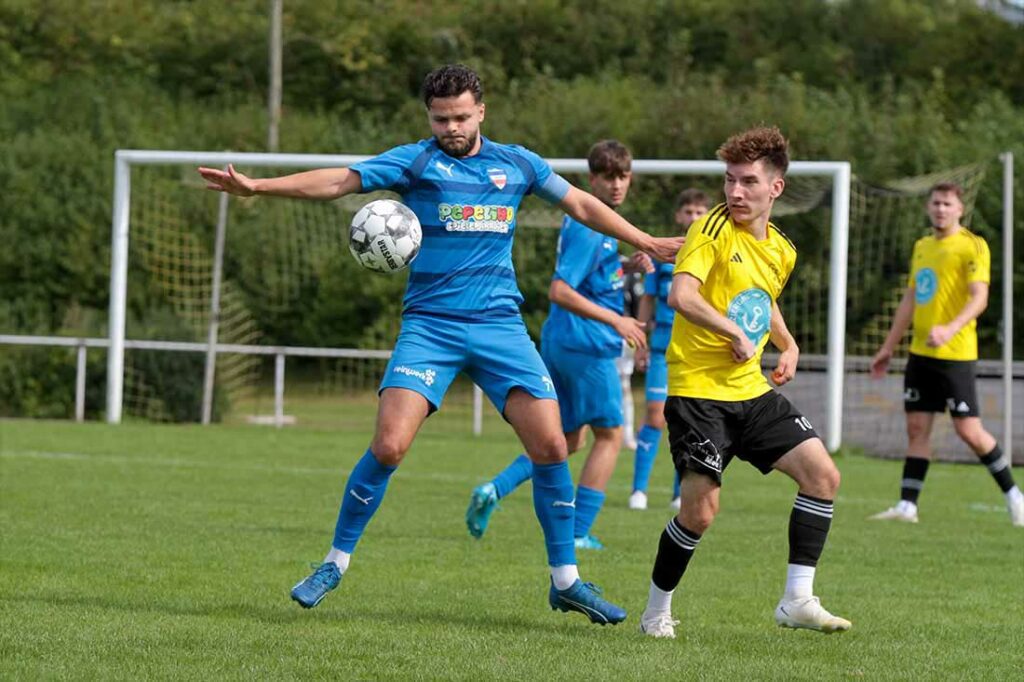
(933, 385)
(705, 435)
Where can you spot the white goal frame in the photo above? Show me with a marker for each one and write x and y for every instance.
(125, 159)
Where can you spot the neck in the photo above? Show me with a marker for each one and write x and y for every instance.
(758, 227)
(943, 232)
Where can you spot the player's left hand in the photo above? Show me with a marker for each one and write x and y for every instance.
(785, 370)
(939, 336)
(639, 262)
(665, 249)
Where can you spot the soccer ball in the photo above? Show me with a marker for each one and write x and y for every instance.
(385, 236)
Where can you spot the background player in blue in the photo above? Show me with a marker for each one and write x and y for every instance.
(656, 313)
(461, 313)
(580, 342)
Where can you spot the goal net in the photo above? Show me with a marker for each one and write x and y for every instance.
(288, 280)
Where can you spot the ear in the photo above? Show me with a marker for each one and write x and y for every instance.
(483, 108)
(778, 186)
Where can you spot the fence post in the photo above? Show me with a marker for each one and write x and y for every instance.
(80, 382)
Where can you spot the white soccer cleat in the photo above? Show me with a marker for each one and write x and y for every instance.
(900, 512)
(808, 613)
(638, 500)
(1015, 505)
(676, 503)
(658, 624)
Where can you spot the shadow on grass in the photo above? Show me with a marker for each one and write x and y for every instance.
(286, 612)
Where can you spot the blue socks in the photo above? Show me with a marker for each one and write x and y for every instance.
(553, 504)
(363, 494)
(588, 504)
(514, 475)
(647, 441)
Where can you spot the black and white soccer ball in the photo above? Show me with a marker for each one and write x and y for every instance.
(385, 236)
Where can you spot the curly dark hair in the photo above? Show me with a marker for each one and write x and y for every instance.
(451, 80)
(762, 142)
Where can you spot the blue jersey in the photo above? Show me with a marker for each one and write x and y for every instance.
(588, 261)
(467, 207)
(658, 284)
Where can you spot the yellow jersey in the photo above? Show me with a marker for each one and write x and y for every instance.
(940, 272)
(741, 278)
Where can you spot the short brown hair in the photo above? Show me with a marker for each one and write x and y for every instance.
(692, 195)
(609, 157)
(762, 142)
(947, 186)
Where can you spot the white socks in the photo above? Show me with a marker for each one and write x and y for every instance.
(339, 558)
(658, 600)
(564, 576)
(799, 582)
(1013, 493)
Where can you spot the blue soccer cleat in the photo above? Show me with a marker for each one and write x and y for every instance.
(586, 598)
(482, 504)
(588, 542)
(315, 587)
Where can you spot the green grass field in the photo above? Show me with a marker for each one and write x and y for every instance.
(160, 552)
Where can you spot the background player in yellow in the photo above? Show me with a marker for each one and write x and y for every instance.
(946, 291)
(728, 277)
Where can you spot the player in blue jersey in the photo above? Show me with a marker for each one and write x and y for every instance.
(655, 311)
(461, 313)
(580, 342)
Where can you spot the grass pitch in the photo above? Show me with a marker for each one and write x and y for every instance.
(161, 552)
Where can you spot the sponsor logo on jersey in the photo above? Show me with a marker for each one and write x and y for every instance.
(925, 285)
(475, 217)
(498, 177)
(752, 311)
(426, 376)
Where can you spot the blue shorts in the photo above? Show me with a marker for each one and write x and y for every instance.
(498, 356)
(588, 387)
(657, 378)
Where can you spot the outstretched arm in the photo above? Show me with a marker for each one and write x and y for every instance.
(589, 210)
(780, 337)
(685, 298)
(900, 323)
(323, 183)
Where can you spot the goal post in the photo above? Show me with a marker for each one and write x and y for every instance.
(837, 171)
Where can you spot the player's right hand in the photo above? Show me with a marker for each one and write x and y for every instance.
(880, 363)
(666, 248)
(230, 181)
(742, 348)
(632, 330)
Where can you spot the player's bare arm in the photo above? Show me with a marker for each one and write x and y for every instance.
(900, 323)
(591, 211)
(940, 334)
(685, 298)
(630, 329)
(323, 183)
(789, 356)
(645, 315)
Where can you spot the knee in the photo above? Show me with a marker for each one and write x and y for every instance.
(829, 482)
(697, 517)
(389, 450)
(916, 431)
(574, 441)
(969, 431)
(551, 450)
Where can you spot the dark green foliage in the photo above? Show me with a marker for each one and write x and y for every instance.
(897, 87)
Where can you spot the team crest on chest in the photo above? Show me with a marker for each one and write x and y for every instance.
(498, 177)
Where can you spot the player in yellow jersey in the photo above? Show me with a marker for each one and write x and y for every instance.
(728, 277)
(946, 291)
